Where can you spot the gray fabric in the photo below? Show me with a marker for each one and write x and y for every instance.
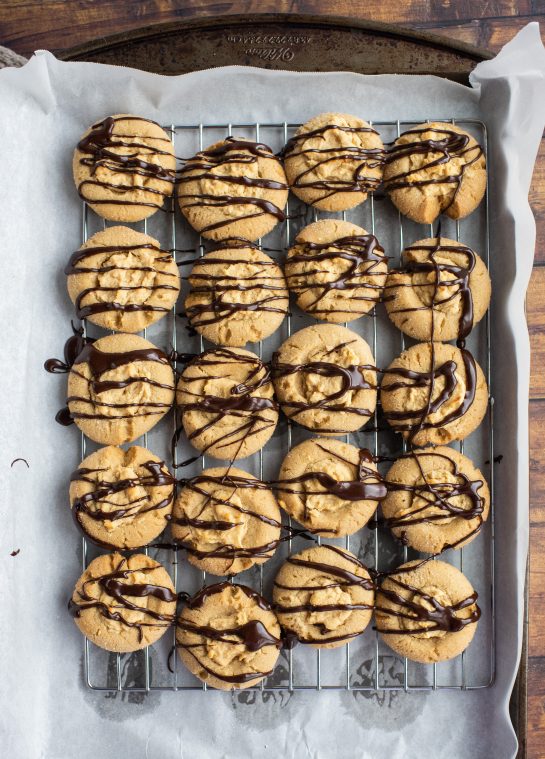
(10, 58)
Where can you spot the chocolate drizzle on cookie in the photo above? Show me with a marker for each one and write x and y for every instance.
(241, 403)
(125, 155)
(340, 578)
(446, 145)
(426, 611)
(356, 256)
(92, 503)
(456, 280)
(262, 289)
(89, 302)
(252, 635)
(368, 162)
(121, 592)
(204, 168)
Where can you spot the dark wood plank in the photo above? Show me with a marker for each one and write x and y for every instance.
(535, 313)
(536, 710)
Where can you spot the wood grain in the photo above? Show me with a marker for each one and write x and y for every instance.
(26, 25)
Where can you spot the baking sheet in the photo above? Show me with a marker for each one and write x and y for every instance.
(46, 711)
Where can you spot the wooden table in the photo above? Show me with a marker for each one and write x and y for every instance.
(27, 25)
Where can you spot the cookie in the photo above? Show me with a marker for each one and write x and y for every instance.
(119, 387)
(434, 393)
(121, 280)
(238, 295)
(427, 611)
(336, 270)
(227, 520)
(441, 291)
(234, 188)
(124, 167)
(323, 596)
(228, 636)
(124, 603)
(334, 161)
(435, 168)
(122, 499)
(225, 396)
(325, 379)
(437, 499)
(329, 487)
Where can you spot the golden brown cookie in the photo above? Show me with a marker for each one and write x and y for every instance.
(427, 611)
(334, 161)
(325, 379)
(122, 499)
(124, 603)
(437, 499)
(336, 270)
(330, 487)
(226, 400)
(323, 596)
(227, 520)
(435, 168)
(238, 295)
(434, 393)
(119, 387)
(443, 288)
(122, 280)
(124, 167)
(234, 188)
(228, 636)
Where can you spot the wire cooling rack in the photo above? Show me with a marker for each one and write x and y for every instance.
(366, 663)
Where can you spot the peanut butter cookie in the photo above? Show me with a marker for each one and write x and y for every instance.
(334, 161)
(122, 499)
(124, 603)
(441, 291)
(119, 387)
(323, 596)
(226, 400)
(235, 187)
(331, 488)
(227, 520)
(435, 168)
(336, 270)
(325, 379)
(121, 280)
(238, 295)
(434, 393)
(228, 636)
(427, 611)
(437, 499)
(124, 167)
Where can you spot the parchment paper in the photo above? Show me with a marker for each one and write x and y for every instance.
(45, 710)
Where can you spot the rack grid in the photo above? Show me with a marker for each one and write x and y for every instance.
(366, 663)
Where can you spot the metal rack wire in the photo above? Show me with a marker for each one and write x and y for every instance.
(365, 664)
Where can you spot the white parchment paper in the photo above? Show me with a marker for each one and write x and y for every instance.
(45, 710)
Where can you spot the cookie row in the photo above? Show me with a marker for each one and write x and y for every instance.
(230, 637)
(124, 168)
(323, 377)
(122, 280)
(227, 520)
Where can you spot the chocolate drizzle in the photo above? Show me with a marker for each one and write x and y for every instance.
(242, 401)
(204, 167)
(341, 578)
(367, 162)
(447, 145)
(121, 592)
(416, 608)
(135, 158)
(357, 257)
(457, 282)
(211, 300)
(88, 302)
(252, 635)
